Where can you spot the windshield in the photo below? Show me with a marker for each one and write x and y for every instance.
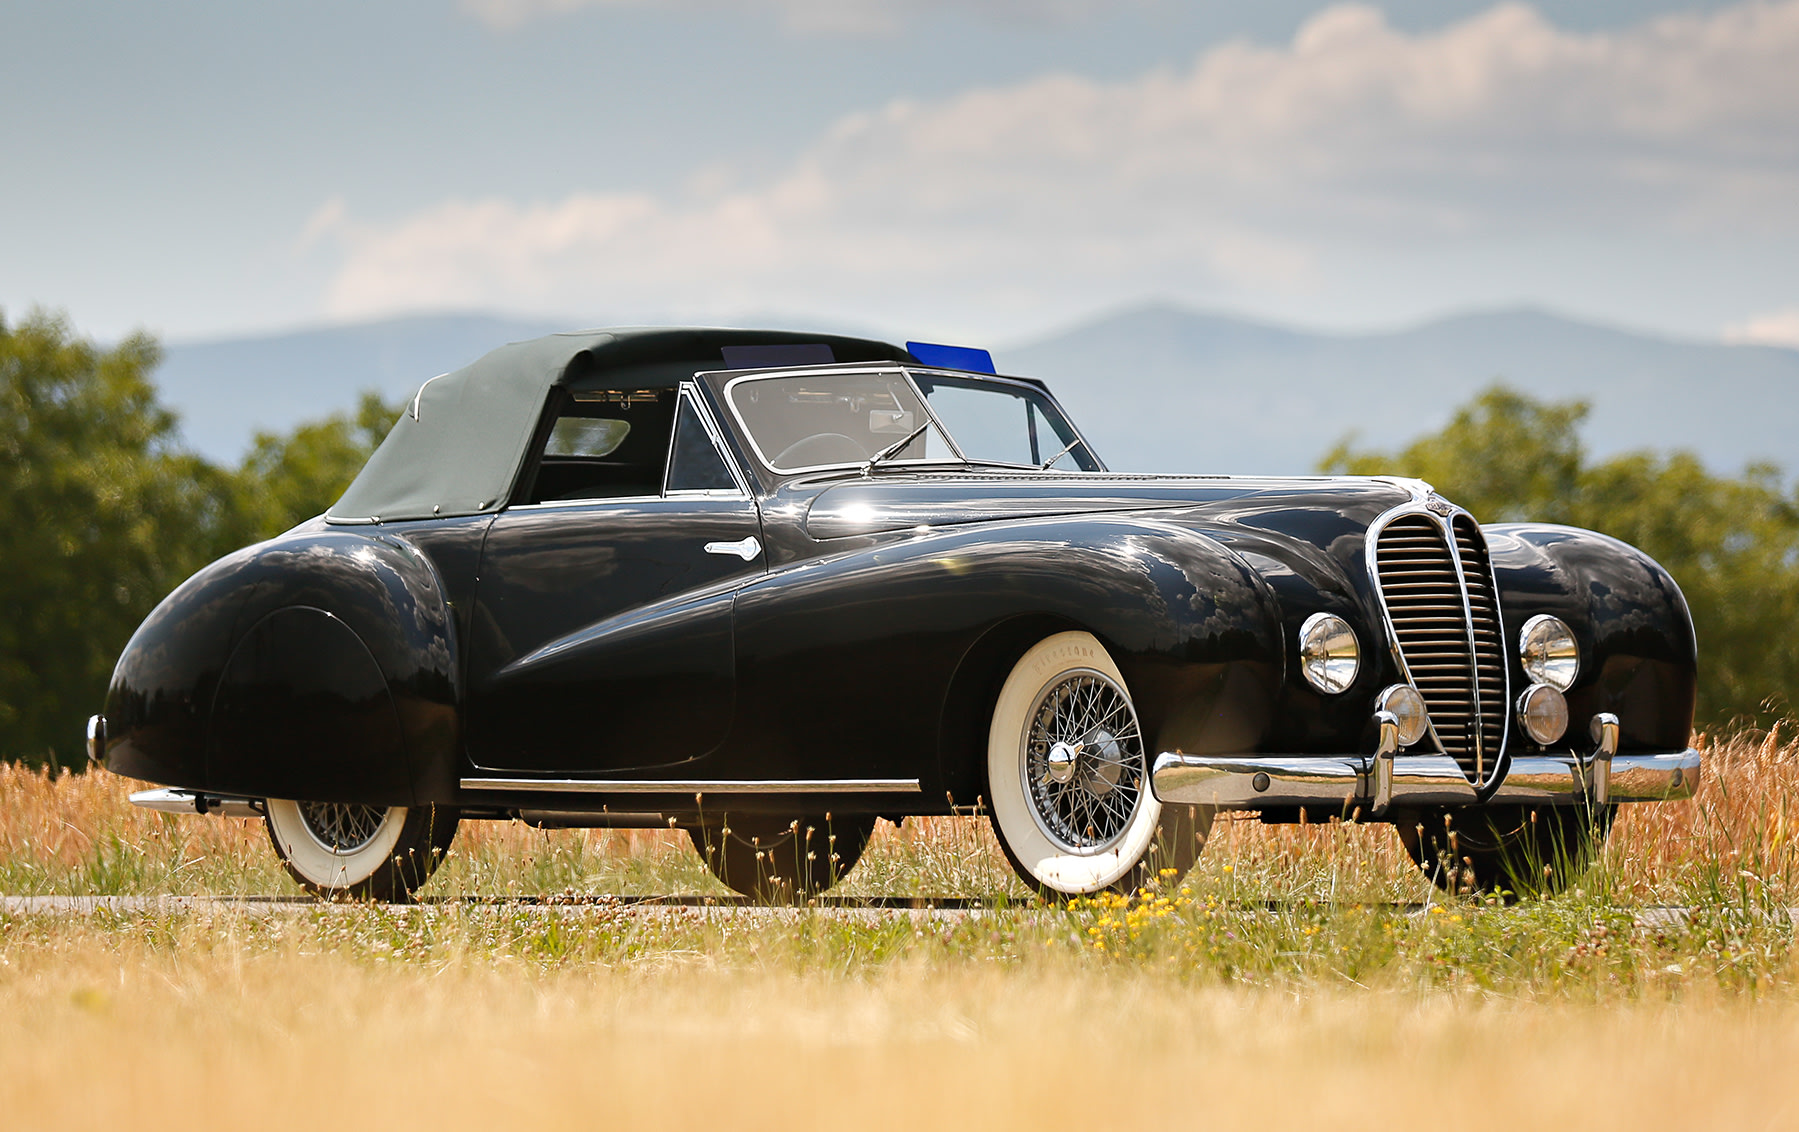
(822, 420)
(800, 422)
(1002, 423)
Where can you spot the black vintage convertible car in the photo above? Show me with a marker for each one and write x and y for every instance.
(770, 587)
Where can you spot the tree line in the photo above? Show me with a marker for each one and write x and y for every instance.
(103, 511)
(1732, 544)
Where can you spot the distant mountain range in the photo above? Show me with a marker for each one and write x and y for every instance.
(1156, 388)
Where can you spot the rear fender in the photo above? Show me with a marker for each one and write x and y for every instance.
(319, 665)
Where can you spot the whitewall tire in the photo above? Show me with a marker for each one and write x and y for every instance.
(338, 849)
(1068, 777)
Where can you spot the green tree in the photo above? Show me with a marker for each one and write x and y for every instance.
(103, 512)
(1732, 544)
(286, 479)
(99, 509)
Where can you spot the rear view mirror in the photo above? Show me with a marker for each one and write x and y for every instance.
(898, 422)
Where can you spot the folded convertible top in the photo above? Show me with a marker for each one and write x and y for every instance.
(457, 447)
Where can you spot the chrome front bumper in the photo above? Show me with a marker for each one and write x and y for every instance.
(1360, 785)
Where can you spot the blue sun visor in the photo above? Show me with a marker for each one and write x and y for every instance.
(966, 358)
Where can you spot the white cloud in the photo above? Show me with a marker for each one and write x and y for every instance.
(326, 220)
(1252, 171)
(1780, 328)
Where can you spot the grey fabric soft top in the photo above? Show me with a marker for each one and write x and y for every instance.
(457, 448)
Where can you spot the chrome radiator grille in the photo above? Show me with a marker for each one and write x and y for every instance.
(1449, 637)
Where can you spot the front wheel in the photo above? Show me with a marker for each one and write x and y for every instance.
(345, 850)
(1068, 778)
(1523, 850)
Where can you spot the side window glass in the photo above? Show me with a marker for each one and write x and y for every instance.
(694, 463)
(597, 437)
(606, 444)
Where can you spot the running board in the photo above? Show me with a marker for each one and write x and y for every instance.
(696, 786)
(587, 819)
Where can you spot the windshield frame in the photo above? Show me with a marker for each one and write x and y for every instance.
(905, 373)
(1027, 388)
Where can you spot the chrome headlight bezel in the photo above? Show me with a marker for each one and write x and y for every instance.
(1543, 713)
(1548, 652)
(1407, 706)
(1330, 656)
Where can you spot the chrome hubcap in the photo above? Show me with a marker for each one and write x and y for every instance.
(342, 827)
(1083, 761)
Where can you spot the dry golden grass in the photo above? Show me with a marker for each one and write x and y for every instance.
(76, 834)
(238, 1037)
(1290, 979)
(1742, 821)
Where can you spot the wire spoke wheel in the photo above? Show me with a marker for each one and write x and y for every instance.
(348, 850)
(1084, 760)
(342, 827)
(1068, 778)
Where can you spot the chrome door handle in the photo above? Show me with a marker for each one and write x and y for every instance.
(746, 550)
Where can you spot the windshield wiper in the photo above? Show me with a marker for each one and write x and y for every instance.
(894, 448)
(1045, 466)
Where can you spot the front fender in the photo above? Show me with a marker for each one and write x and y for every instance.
(884, 628)
(1639, 659)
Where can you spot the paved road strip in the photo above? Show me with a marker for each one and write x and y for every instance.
(266, 906)
(865, 908)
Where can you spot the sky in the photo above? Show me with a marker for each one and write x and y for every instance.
(964, 170)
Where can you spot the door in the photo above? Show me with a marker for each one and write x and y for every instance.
(602, 637)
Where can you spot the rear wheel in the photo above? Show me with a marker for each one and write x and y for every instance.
(345, 850)
(1523, 850)
(782, 860)
(1068, 778)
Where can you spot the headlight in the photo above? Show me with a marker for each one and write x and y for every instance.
(1328, 653)
(1547, 648)
(1544, 713)
(1407, 706)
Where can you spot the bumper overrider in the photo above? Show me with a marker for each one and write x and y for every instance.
(1369, 785)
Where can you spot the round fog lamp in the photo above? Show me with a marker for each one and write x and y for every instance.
(1547, 649)
(1544, 713)
(1407, 706)
(1328, 653)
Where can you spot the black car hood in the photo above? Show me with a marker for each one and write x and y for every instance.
(1319, 509)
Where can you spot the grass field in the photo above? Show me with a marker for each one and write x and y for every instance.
(1296, 974)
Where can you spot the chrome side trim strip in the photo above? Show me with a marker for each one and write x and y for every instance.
(579, 819)
(600, 501)
(697, 785)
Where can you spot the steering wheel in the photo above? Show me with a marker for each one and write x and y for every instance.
(820, 448)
